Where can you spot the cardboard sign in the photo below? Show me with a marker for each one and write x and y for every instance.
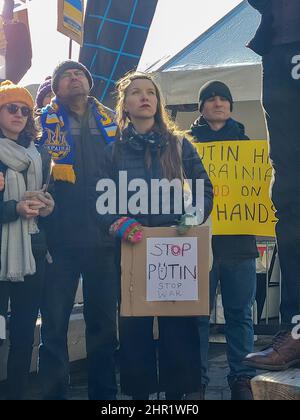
(70, 19)
(147, 293)
(172, 269)
(241, 174)
(2, 328)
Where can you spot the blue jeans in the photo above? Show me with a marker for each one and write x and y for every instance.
(238, 287)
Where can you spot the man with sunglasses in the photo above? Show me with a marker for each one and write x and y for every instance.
(76, 129)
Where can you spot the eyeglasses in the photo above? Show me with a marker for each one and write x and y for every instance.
(13, 109)
(76, 73)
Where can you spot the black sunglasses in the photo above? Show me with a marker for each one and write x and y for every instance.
(13, 109)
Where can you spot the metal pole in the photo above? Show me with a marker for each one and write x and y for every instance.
(70, 49)
(280, 291)
(267, 283)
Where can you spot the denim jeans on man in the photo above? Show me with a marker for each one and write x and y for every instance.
(237, 278)
(97, 267)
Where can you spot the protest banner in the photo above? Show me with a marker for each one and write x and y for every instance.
(166, 275)
(172, 269)
(241, 174)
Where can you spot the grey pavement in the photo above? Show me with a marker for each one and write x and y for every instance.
(218, 389)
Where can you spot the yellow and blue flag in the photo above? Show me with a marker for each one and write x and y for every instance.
(73, 12)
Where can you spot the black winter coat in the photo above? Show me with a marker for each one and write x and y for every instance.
(8, 211)
(224, 246)
(279, 25)
(233, 130)
(122, 157)
(73, 224)
(260, 5)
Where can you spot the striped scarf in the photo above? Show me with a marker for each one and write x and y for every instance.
(58, 140)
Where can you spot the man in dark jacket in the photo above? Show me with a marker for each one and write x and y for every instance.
(278, 41)
(76, 130)
(234, 256)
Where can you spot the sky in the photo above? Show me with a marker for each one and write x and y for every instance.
(176, 23)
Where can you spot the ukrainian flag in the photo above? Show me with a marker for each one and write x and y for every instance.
(73, 15)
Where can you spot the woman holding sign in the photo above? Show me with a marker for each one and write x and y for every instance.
(149, 148)
(23, 246)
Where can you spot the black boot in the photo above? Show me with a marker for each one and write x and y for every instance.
(196, 396)
(241, 389)
(174, 396)
(140, 397)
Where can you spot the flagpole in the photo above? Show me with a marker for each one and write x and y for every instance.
(70, 49)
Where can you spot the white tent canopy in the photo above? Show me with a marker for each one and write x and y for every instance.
(245, 82)
(218, 54)
(182, 86)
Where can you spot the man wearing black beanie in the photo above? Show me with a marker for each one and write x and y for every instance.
(234, 256)
(69, 65)
(278, 41)
(212, 89)
(76, 129)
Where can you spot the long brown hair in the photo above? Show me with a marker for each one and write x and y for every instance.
(171, 157)
(30, 132)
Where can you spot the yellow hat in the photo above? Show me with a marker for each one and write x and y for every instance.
(9, 92)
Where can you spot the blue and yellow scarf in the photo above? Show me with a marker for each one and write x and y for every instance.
(58, 140)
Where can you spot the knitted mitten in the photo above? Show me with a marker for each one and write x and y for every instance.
(127, 229)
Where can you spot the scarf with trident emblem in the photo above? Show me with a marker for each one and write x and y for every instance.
(58, 140)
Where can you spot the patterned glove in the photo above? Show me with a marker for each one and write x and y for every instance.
(127, 229)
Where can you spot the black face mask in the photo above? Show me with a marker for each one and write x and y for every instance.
(154, 140)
